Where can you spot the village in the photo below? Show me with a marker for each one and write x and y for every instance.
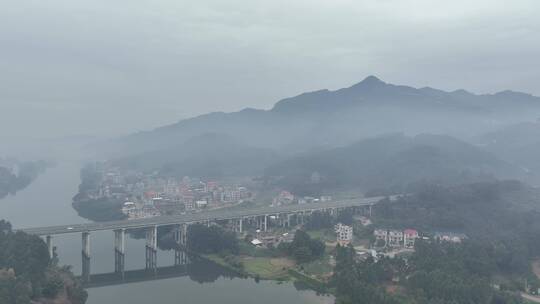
(149, 195)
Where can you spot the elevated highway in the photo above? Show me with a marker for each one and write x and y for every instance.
(234, 217)
(213, 215)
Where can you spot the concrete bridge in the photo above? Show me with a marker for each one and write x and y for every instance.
(236, 217)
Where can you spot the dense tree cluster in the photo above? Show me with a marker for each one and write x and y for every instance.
(27, 172)
(503, 236)
(455, 273)
(487, 213)
(303, 248)
(442, 273)
(213, 239)
(26, 272)
(100, 210)
(324, 220)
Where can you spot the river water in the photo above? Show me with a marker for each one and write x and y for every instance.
(47, 201)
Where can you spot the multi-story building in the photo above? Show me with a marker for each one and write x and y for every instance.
(409, 237)
(344, 234)
(395, 238)
(381, 234)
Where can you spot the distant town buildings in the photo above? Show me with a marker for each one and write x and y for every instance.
(148, 195)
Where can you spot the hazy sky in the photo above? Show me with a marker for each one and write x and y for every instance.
(92, 67)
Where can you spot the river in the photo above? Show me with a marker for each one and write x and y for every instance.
(47, 201)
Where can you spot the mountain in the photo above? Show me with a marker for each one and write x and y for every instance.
(210, 155)
(329, 119)
(518, 144)
(392, 161)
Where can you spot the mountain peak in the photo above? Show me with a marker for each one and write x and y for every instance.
(369, 82)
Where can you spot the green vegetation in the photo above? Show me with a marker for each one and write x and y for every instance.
(10, 182)
(503, 236)
(488, 213)
(28, 275)
(100, 210)
(303, 248)
(211, 240)
(267, 268)
(436, 273)
(393, 161)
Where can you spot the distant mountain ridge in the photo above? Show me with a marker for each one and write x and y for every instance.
(392, 161)
(518, 144)
(334, 118)
(211, 155)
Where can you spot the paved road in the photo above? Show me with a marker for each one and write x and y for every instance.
(220, 214)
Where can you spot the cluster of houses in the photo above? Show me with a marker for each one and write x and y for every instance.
(396, 238)
(406, 238)
(147, 195)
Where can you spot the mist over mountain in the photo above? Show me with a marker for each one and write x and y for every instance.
(211, 155)
(369, 108)
(393, 162)
(343, 137)
(518, 144)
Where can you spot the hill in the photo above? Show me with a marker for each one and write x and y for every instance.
(518, 144)
(392, 161)
(210, 155)
(366, 109)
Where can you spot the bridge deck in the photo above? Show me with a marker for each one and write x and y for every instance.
(213, 215)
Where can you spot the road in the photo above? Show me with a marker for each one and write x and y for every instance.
(222, 214)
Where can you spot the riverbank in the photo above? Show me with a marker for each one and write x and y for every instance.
(99, 210)
(280, 269)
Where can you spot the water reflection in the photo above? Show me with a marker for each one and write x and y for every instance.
(47, 201)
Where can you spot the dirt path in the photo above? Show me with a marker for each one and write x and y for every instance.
(530, 297)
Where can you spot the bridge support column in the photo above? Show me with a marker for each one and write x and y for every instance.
(86, 256)
(151, 248)
(370, 210)
(119, 251)
(288, 220)
(48, 239)
(240, 225)
(265, 223)
(180, 252)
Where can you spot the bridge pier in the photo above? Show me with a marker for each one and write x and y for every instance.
(151, 248)
(119, 251)
(180, 252)
(265, 223)
(288, 220)
(85, 274)
(237, 225)
(48, 239)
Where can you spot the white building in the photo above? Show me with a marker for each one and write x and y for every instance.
(409, 237)
(344, 234)
(395, 238)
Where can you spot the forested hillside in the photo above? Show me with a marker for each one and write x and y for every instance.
(393, 162)
(28, 275)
